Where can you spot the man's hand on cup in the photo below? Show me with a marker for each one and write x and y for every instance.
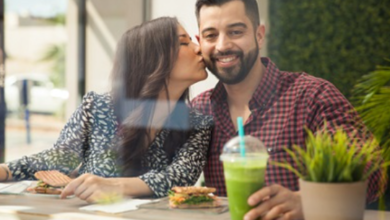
(93, 189)
(275, 202)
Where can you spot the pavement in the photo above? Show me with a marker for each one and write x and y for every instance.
(44, 131)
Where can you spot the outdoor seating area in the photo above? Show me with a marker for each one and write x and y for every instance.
(195, 109)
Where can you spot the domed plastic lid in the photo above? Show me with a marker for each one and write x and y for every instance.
(254, 149)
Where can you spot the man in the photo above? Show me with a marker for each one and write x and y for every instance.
(276, 106)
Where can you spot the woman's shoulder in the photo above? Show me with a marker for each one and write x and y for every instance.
(96, 98)
(198, 119)
(98, 104)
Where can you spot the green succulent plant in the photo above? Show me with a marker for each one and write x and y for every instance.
(334, 158)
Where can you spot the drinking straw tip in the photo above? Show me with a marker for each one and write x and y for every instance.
(241, 135)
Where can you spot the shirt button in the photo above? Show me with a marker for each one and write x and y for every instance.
(269, 150)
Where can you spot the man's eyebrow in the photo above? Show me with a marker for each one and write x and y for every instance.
(208, 29)
(239, 24)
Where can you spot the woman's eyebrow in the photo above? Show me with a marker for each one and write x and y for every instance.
(185, 36)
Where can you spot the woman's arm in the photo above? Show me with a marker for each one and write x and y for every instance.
(92, 188)
(66, 154)
(5, 174)
(184, 170)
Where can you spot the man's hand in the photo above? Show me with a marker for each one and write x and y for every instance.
(275, 202)
(93, 189)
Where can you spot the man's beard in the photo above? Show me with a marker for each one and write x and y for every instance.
(233, 75)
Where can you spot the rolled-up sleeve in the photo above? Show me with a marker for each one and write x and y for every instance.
(328, 104)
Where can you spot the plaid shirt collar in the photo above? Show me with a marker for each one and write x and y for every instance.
(264, 91)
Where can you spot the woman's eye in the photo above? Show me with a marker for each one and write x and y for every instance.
(184, 44)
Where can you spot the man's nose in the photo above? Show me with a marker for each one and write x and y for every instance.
(223, 43)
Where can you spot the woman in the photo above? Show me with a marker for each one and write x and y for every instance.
(155, 64)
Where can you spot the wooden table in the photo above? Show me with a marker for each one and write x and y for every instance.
(47, 208)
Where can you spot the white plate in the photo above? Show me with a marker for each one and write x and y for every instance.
(20, 188)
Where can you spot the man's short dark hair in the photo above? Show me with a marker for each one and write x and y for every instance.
(251, 8)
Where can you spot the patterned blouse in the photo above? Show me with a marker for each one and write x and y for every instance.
(88, 139)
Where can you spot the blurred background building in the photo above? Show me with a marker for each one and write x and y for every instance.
(65, 48)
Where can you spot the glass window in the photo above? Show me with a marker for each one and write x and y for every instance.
(35, 40)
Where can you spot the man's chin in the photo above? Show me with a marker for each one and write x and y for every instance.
(228, 80)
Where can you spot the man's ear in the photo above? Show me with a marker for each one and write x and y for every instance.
(197, 38)
(260, 35)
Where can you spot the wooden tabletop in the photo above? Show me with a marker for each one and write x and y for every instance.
(46, 208)
(51, 208)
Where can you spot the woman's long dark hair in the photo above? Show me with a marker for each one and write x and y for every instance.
(144, 60)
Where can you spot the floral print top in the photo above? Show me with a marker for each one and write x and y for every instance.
(87, 140)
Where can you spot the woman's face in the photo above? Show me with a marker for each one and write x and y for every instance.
(189, 67)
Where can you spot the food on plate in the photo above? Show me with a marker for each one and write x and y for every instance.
(193, 197)
(50, 182)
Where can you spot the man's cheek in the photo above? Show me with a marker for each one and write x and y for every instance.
(205, 49)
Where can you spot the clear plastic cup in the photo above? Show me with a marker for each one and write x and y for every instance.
(243, 175)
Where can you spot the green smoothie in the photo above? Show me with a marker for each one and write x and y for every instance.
(243, 178)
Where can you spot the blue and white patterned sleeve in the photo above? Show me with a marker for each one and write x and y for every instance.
(67, 152)
(187, 164)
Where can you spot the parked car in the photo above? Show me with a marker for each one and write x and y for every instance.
(43, 98)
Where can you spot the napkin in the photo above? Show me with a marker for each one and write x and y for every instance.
(15, 187)
(81, 216)
(123, 206)
(13, 208)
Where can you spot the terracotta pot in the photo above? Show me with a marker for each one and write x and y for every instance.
(335, 201)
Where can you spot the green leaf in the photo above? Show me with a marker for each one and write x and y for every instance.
(337, 157)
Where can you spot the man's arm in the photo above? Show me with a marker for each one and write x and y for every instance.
(324, 103)
(328, 104)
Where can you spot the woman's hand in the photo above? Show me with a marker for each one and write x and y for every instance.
(5, 174)
(94, 189)
(275, 202)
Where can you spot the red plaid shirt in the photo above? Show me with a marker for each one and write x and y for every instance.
(283, 104)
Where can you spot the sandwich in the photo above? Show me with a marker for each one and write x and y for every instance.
(50, 182)
(192, 197)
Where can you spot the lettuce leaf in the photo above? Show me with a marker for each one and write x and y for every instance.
(197, 199)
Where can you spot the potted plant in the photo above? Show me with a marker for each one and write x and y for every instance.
(371, 97)
(333, 172)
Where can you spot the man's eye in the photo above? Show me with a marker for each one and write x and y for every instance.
(236, 32)
(210, 36)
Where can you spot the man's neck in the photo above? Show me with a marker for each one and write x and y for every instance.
(239, 95)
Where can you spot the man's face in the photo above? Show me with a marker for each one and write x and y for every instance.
(229, 43)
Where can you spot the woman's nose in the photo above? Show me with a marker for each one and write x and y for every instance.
(197, 49)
